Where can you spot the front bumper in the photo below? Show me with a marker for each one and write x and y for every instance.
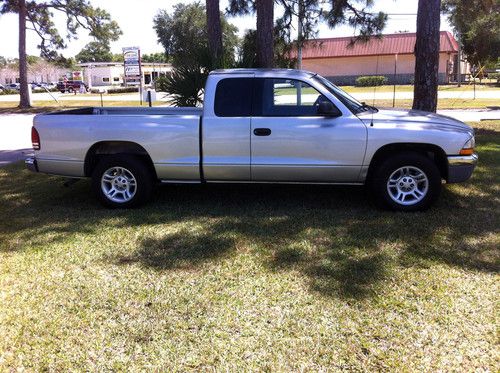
(31, 164)
(460, 167)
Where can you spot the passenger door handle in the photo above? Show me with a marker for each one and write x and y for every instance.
(262, 131)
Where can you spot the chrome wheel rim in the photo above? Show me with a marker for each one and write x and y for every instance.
(407, 185)
(118, 184)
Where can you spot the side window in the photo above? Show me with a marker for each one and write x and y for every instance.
(233, 97)
(288, 97)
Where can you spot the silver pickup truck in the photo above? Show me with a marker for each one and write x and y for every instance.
(257, 126)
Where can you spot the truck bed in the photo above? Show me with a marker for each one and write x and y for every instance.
(169, 135)
(131, 110)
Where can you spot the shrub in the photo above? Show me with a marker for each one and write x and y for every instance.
(494, 76)
(370, 81)
(115, 90)
(8, 91)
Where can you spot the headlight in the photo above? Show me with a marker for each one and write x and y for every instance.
(468, 148)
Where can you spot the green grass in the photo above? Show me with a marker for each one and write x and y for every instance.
(443, 103)
(245, 278)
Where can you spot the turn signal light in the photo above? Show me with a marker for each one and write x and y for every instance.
(468, 151)
(35, 139)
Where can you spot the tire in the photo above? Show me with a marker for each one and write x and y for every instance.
(122, 181)
(71, 90)
(406, 181)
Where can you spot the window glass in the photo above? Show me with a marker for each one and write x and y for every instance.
(288, 97)
(105, 79)
(233, 97)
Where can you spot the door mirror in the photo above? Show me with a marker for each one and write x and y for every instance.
(327, 109)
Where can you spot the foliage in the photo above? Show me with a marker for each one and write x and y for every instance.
(116, 90)
(161, 83)
(185, 85)
(3, 62)
(494, 76)
(184, 37)
(478, 23)
(312, 12)
(95, 52)
(247, 52)
(80, 14)
(183, 34)
(159, 57)
(370, 81)
(8, 92)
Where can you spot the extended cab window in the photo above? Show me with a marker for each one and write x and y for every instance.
(288, 97)
(233, 97)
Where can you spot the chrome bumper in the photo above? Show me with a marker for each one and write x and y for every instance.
(31, 164)
(460, 167)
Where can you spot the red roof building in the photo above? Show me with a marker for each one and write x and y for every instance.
(342, 62)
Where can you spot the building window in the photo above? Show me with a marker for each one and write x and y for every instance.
(105, 80)
(115, 79)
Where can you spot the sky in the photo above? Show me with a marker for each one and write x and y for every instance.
(136, 21)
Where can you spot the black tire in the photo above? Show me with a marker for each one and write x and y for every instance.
(141, 193)
(70, 90)
(415, 162)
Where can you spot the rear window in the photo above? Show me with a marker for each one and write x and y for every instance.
(233, 97)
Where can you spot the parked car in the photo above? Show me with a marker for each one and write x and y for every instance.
(13, 86)
(1, 87)
(269, 125)
(71, 86)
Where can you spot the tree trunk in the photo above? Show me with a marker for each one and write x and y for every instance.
(214, 31)
(23, 62)
(265, 32)
(427, 55)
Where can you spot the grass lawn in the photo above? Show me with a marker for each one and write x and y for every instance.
(245, 278)
(443, 103)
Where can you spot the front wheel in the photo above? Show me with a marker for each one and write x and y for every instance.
(122, 181)
(406, 182)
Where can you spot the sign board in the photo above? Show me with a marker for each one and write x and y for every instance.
(132, 63)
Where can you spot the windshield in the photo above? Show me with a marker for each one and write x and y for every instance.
(352, 104)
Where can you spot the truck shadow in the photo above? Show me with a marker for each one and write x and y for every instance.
(332, 237)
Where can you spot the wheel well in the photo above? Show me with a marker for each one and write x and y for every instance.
(104, 148)
(434, 152)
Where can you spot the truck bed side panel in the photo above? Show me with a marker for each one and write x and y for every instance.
(171, 141)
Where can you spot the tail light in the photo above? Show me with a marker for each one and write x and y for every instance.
(35, 138)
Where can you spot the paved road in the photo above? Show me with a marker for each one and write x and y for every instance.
(15, 130)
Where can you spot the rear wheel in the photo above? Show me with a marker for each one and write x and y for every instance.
(70, 90)
(406, 182)
(122, 181)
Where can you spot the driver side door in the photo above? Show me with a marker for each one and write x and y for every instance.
(291, 142)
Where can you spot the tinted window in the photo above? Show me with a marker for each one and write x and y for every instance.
(286, 97)
(233, 97)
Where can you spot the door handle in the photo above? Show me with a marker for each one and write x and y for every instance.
(262, 131)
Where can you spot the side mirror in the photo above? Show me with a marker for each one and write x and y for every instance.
(327, 109)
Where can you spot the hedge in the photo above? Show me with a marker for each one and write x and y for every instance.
(8, 92)
(370, 81)
(116, 90)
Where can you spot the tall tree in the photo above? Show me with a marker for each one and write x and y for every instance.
(427, 55)
(184, 36)
(310, 13)
(265, 28)
(214, 31)
(478, 24)
(37, 15)
(95, 52)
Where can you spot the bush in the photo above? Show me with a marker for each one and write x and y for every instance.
(116, 90)
(161, 84)
(370, 81)
(8, 92)
(494, 76)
